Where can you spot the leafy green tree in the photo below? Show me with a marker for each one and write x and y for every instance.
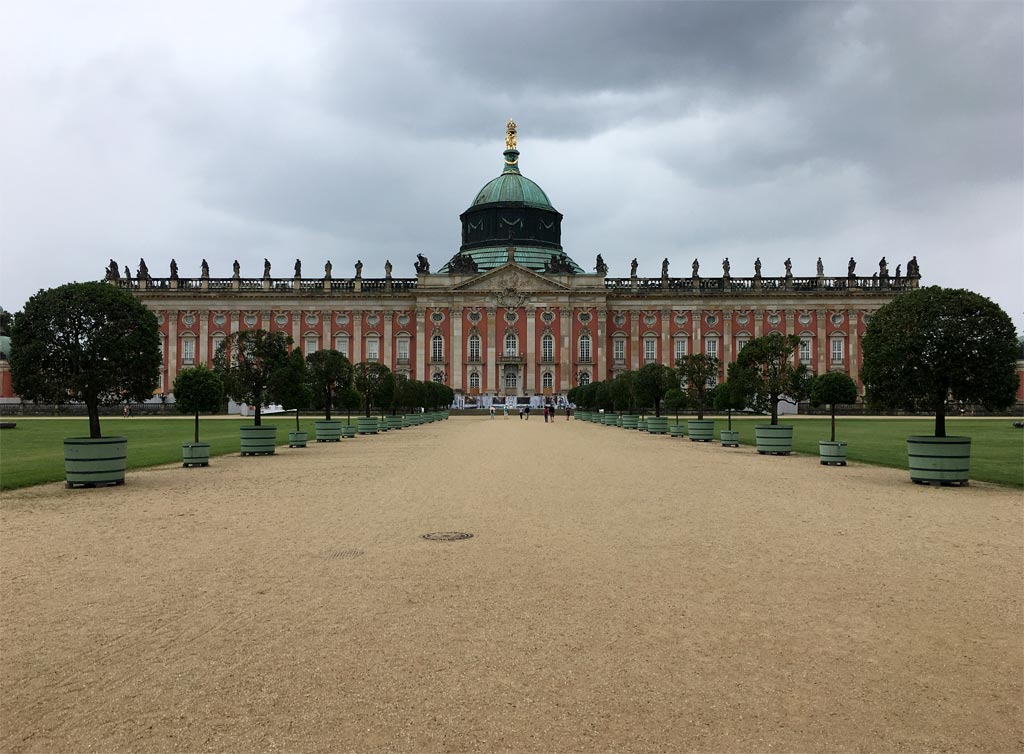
(729, 396)
(652, 382)
(88, 342)
(6, 320)
(289, 385)
(604, 395)
(830, 389)
(328, 371)
(696, 371)
(374, 383)
(622, 389)
(767, 370)
(675, 399)
(348, 398)
(935, 344)
(198, 389)
(246, 361)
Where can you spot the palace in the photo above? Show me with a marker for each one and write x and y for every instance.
(511, 313)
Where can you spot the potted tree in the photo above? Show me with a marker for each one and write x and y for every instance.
(769, 372)
(696, 371)
(830, 389)
(675, 399)
(373, 382)
(652, 382)
(88, 342)
(289, 387)
(197, 389)
(246, 361)
(328, 372)
(348, 398)
(931, 345)
(729, 397)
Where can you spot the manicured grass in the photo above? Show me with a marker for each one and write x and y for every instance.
(33, 452)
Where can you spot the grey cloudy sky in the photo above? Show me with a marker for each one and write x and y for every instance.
(323, 130)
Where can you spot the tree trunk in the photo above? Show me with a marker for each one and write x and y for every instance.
(93, 407)
(197, 426)
(940, 418)
(330, 398)
(297, 427)
(775, 408)
(728, 414)
(700, 406)
(256, 420)
(833, 422)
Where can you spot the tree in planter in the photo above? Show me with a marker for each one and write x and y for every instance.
(328, 371)
(652, 382)
(404, 394)
(622, 390)
(730, 396)
(246, 361)
(933, 344)
(830, 389)
(198, 389)
(348, 398)
(766, 369)
(374, 383)
(289, 385)
(88, 342)
(696, 371)
(675, 399)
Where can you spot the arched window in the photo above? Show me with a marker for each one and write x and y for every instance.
(584, 378)
(474, 380)
(547, 380)
(547, 348)
(474, 348)
(188, 349)
(437, 348)
(585, 347)
(511, 344)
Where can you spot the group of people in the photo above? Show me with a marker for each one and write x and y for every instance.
(524, 412)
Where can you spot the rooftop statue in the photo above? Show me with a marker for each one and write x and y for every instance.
(422, 264)
(789, 267)
(174, 270)
(359, 268)
(883, 268)
(127, 273)
(664, 267)
(266, 267)
(913, 271)
(205, 269)
(462, 264)
(696, 267)
(602, 268)
(725, 267)
(558, 264)
(298, 268)
(387, 268)
(236, 268)
(757, 267)
(112, 271)
(821, 268)
(898, 268)
(143, 270)
(327, 269)
(510, 134)
(851, 267)
(632, 268)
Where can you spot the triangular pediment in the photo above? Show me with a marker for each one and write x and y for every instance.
(511, 277)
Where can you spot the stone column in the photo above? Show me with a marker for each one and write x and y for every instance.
(327, 321)
(172, 347)
(455, 348)
(235, 316)
(565, 357)
(790, 317)
(854, 350)
(297, 323)
(758, 324)
(601, 371)
(421, 346)
(386, 350)
(698, 332)
(204, 337)
(357, 337)
(491, 367)
(636, 345)
(529, 352)
(666, 337)
(726, 355)
(822, 341)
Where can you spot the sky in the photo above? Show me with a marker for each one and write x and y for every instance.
(682, 130)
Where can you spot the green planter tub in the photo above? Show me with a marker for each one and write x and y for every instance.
(677, 430)
(328, 430)
(395, 422)
(700, 430)
(939, 460)
(630, 421)
(642, 424)
(195, 454)
(367, 425)
(610, 420)
(258, 441)
(94, 462)
(618, 420)
(297, 439)
(348, 430)
(730, 438)
(832, 453)
(657, 425)
(774, 439)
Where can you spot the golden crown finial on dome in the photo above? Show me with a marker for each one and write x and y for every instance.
(510, 134)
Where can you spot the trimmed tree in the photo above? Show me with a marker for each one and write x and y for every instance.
(652, 382)
(374, 383)
(767, 370)
(675, 399)
(830, 389)
(88, 342)
(197, 389)
(623, 392)
(328, 371)
(696, 371)
(246, 361)
(934, 344)
(289, 385)
(729, 396)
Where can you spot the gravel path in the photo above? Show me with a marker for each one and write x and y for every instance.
(621, 593)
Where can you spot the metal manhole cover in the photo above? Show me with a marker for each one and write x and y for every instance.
(339, 554)
(446, 536)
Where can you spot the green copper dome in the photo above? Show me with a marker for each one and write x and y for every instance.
(511, 187)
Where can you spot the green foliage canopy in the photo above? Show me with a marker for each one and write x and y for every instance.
(833, 388)
(197, 389)
(696, 371)
(374, 382)
(327, 371)
(652, 382)
(246, 361)
(767, 371)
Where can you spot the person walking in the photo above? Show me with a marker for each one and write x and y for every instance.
(520, 413)
(545, 413)
(527, 412)
(492, 410)
(568, 412)
(504, 408)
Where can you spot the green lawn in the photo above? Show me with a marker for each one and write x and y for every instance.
(33, 452)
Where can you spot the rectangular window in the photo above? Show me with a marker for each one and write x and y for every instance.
(188, 350)
(474, 348)
(547, 348)
(650, 350)
(740, 343)
(837, 350)
(372, 349)
(711, 347)
(619, 350)
(403, 349)
(585, 348)
(681, 347)
(312, 345)
(805, 350)
(341, 345)
(437, 348)
(217, 340)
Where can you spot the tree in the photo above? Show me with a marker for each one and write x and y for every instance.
(696, 371)
(767, 370)
(289, 385)
(729, 396)
(933, 344)
(328, 371)
(652, 382)
(374, 383)
(246, 361)
(348, 398)
(830, 389)
(622, 390)
(675, 399)
(88, 342)
(197, 389)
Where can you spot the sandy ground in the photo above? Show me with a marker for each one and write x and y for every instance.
(621, 593)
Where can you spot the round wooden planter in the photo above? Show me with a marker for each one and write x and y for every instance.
(258, 441)
(581, 416)
(657, 425)
(700, 430)
(367, 425)
(382, 424)
(347, 430)
(618, 420)
(611, 420)
(94, 462)
(677, 430)
(730, 438)
(832, 453)
(939, 460)
(642, 424)
(195, 454)
(328, 430)
(629, 421)
(774, 439)
(395, 422)
(297, 439)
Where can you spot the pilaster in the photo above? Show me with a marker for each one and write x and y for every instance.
(491, 369)
(666, 339)
(357, 337)
(634, 340)
(852, 368)
(602, 345)
(422, 347)
(530, 351)
(172, 347)
(204, 337)
(727, 355)
(455, 372)
(822, 337)
(386, 346)
(567, 350)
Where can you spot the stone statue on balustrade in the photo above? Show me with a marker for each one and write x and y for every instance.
(422, 265)
(462, 264)
(602, 268)
(898, 268)
(851, 267)
(632, 268)
(664, 267)
(298, 268)
(327, 270)
(236, 269)
(204, 269)
(266, 267)
(789, 267)
(883, 268)
(387, 268)
(143, 270)
(913, 271)
(127, 273)
(757, 267)
(359, 269)
(726, 267)
(112, 271)
(821, 268)
(696, 267)
(174, 270)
